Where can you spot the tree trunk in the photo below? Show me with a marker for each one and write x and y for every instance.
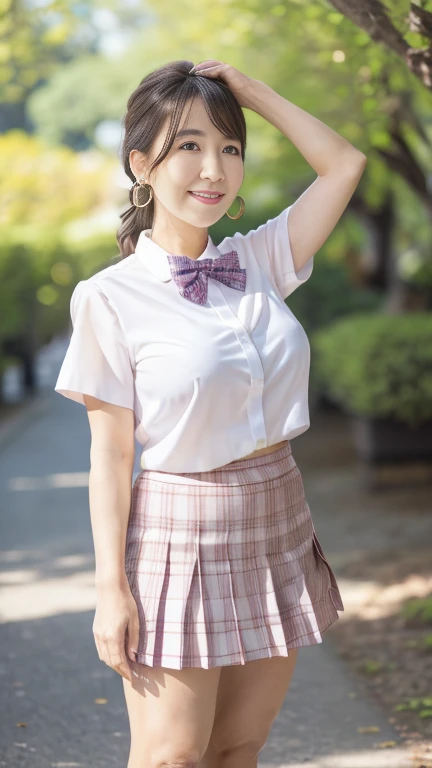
(381, 273)
(372, 16)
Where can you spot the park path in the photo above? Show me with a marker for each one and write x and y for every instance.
(50, 674)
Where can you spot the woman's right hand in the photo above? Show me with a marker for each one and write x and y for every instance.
(116, 623)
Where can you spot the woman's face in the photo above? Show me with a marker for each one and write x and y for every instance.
(195, 163)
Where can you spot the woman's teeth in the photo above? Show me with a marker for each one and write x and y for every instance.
(204, 197)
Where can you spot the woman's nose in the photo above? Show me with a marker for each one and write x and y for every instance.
(213, 170)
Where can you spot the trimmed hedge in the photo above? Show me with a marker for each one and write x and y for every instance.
(378, 365)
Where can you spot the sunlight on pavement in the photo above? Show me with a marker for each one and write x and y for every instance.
(59, 480)
(383, 758)
(32, 596)
(370, 600)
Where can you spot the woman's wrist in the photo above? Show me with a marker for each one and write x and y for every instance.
(255, 94)
(110, 581)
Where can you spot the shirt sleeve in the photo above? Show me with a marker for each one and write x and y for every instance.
(271, 246)
(97, 360)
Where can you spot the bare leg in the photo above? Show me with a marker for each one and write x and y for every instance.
(171, 713)
(249, 699)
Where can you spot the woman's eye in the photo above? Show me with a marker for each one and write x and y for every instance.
(193, 143)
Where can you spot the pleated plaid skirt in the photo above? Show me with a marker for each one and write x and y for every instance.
(225, 566)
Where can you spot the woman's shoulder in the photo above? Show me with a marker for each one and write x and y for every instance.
(111, 279)
(116, 269)
(109, 284)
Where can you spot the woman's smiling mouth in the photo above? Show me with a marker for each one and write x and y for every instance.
(210, 198)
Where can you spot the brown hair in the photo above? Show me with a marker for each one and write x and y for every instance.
(164, 93)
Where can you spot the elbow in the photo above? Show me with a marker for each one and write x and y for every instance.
(109, 459)
(350, 162)
(355, 161)
(361, 158)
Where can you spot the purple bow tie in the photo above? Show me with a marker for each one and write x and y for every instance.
(192, 275)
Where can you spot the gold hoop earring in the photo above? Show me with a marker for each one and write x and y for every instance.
(136, 193)
(241, 211)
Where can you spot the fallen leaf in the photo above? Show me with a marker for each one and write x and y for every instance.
(21, 725)
(101, 701)
(368, 729)
(386, 744)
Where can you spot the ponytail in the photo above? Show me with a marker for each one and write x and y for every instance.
(134, 220)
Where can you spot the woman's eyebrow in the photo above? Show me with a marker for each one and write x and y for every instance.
(198, 132)
(190, 132)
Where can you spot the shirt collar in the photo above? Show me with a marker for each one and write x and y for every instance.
(154, 257)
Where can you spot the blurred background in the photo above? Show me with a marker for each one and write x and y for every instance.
(67, 69)
(363, 67)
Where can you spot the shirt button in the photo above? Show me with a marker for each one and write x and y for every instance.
(261, 443)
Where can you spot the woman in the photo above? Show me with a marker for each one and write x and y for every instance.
(209, 573)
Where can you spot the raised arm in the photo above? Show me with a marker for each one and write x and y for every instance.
(338, 163)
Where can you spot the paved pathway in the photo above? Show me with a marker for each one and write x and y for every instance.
(50, 674)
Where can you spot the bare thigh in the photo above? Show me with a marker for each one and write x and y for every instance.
(171, 713)
(249, 699)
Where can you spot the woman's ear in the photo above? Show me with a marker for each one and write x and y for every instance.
(137, 163)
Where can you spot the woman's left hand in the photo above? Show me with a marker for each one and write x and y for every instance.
(235, 80)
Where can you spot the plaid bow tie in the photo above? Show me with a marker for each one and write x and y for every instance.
(192, 275)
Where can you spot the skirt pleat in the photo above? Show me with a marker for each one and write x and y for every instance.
(225, 566)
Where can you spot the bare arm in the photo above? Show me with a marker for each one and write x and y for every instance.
(110, 483)
(116, 622)
(338, 164)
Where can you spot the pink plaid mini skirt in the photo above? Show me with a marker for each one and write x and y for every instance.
(225, 566)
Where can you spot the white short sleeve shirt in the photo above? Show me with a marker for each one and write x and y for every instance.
(208, 383)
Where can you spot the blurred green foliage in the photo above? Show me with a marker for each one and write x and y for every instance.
(59, 196)
(37, 277)
(378, 364)
(43, 185)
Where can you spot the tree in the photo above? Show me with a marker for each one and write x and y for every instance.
(376, 19)
(319, 60)
(38, 39)
(44, 186)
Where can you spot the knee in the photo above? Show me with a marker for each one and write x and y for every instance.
(242, 756)
(168, 759)
(177, 760)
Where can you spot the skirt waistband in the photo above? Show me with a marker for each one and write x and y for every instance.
(257, 461)
(256, 469)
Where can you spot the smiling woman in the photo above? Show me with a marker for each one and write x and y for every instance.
(209, 572)
(208, 196)
(167, 107)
